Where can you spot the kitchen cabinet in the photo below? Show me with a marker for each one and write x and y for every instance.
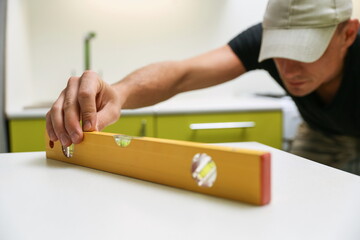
(133, 125)
(260, 126)
(27, 135)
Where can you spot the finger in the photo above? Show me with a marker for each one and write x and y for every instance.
(49, 128)
(88, 89)
(108, 115)
(71, 111)
(56, 115)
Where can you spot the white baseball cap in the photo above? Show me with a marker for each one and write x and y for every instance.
(301, 30)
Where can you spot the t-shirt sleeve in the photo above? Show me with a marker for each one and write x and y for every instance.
(246, 46)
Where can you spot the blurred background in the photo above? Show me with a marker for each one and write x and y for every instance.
(45, 40)
(42, 44)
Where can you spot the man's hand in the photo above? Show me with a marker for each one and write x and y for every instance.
(86, 98)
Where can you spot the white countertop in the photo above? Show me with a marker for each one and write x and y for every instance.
(48, 199)
(181, 106)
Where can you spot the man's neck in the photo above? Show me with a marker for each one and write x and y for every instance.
(328, 90)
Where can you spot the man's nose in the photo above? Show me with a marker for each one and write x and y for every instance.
(289, 68)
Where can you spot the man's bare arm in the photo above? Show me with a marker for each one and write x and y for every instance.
(160, 81)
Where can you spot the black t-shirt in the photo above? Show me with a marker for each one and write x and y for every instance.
(341, 116)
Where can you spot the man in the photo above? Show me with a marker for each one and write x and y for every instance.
(311, 48)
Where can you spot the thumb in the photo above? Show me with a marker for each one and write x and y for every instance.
(90, 86)
(88, 113)
(107, 116)
(89, 123)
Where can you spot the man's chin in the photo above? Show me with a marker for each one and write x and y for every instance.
(298, 93)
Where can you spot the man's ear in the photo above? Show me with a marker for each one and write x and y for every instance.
(350, 32)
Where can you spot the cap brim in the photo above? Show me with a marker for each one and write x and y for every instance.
(304, 45)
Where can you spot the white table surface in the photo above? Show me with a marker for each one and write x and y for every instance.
(48, 199)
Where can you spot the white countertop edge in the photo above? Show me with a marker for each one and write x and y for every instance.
(215, 110)
(191, 106)
(41, 113)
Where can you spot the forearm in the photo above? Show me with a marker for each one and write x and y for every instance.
(151, 84)
(160, 81)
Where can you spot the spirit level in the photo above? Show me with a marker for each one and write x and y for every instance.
(233, 173)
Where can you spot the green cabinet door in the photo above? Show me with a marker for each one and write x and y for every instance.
(27, 135)
(263, 127)
(133, 125)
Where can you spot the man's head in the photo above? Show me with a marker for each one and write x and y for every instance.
(301, 29)
(308, 40)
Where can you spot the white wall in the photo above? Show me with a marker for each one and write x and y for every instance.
(18, 74)
(356, 6)
(45, 41)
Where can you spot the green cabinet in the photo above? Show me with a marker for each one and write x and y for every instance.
(27, 135)
(263, 127)
(133, 125)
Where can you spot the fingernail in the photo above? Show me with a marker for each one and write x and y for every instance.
(52, 137)
(87, 125)
(64, 140)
